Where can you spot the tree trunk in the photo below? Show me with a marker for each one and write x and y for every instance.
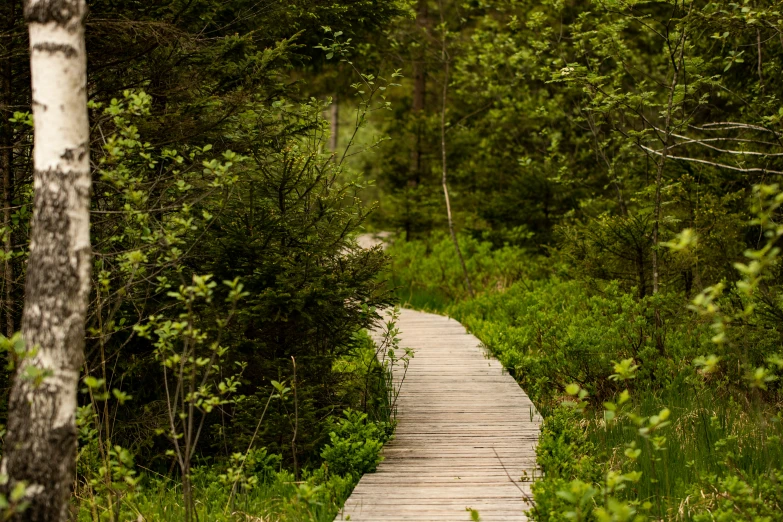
(658, 203)
(444, 170)
(40, 446)
(6, 165)
(640, 273)
(334, 125)
(418, 59)
(419, 95)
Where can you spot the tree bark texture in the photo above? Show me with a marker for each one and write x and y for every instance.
(40, 446)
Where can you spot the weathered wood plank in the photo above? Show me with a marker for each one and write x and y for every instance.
(466, 435)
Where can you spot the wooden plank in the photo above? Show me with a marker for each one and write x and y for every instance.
(466, 435)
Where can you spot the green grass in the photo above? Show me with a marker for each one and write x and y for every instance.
(282, 498)
(711, 435)
(418, 298)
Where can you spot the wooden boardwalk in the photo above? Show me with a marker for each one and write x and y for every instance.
(465, 439)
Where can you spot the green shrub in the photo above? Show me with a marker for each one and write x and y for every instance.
(564, 455)
(564, 450)
(355, 445)
(428, 274)
(552, 333)
(733, 499)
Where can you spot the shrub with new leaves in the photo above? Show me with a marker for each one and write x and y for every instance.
(355, 444)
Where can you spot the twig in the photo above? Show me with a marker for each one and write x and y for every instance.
(296, 421)
(712, 163)
(247, 452)
(527, 497)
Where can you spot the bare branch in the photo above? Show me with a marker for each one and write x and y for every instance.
(711, 163)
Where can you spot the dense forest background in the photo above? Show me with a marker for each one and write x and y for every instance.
(613, 173)
(612, 235)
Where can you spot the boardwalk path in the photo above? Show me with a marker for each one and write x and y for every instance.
(466, 435)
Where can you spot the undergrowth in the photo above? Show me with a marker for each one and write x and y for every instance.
(253, 485)
(644, 419)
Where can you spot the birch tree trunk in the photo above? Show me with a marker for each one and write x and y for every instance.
(40, 446)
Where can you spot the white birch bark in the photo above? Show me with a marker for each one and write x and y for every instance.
(40, 447)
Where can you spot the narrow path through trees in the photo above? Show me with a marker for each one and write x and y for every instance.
(465, 439)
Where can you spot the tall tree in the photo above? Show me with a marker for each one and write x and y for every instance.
(445, 58)
(40, 447)
(7, 58)
(419, 91)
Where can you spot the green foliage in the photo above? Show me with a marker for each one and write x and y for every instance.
(210, 167)
(601, 159)
(732, 498)
(427, 274)
(355, 445)
(14, 503)
(552, 333)
(626, 156)
(564, 451)
(275, 495)
(253, 481)
(637, 429)
(248, 470)
(677, 466)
